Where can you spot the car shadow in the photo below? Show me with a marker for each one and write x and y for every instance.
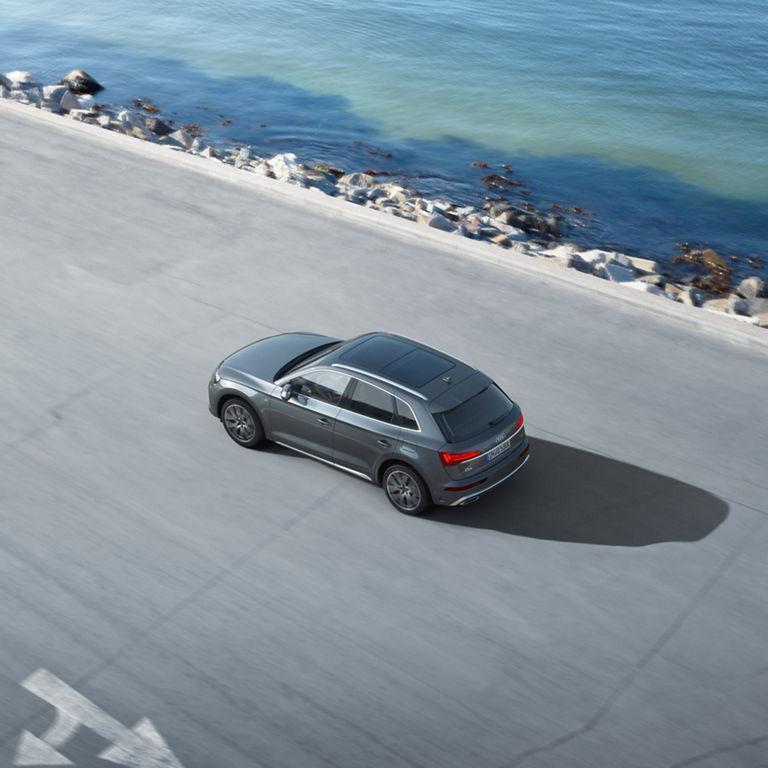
(569, 494)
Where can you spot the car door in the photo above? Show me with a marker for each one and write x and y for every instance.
(306, 420)
(366, 428)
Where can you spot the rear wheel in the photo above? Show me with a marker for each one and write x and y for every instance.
(406, 490)
(242, 424)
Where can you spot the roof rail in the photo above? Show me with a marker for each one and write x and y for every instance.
(392, 382)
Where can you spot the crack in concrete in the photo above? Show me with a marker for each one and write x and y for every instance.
(644, 660)
(722, 751)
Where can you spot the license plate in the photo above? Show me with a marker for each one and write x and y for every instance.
(498, 450)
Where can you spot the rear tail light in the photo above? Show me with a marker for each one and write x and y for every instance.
(519, 423)
(525, 450)
(456, 458)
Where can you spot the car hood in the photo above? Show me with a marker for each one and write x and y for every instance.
(263, 359)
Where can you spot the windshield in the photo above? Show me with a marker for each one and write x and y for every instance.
(474, 416)
(307, 357)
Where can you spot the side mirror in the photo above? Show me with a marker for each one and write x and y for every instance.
(286, 392)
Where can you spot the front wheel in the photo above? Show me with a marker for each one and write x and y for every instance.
(242, 424)
(406, 490)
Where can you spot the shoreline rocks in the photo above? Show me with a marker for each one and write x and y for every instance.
(520, 230)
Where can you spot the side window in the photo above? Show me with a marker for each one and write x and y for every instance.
(322, 385)
(372, 401)
(405, 414)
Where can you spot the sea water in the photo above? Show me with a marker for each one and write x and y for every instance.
(653, 116)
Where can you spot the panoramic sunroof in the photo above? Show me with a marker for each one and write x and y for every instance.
(417, 367)
(376, 352)
(398, 360)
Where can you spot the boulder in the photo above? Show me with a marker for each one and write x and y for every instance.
(752, 288)
(359, 180)
(325, 182)
(285, 168)
(641, 285)
(158, 127)
(595, 256)
(564, 252)
(31, 95)
(69, 101)
(80, 82)
(737, 305)
(183, 137)
(615, 272)
(757, 306)
(52, 96)
(502, 240)
(138, 133)
(4, 92)
(653, 279)
(687, 294)
(636, 263)
(130, 119)
(19, 79)
(438, 221)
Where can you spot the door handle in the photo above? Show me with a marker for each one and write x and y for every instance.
(384, 443)
(324, 421)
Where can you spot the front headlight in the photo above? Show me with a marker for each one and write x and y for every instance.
(216, 378)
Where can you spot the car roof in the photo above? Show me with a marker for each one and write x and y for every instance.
(411, 366)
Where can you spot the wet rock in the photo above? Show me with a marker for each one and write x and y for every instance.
(80, 82)
(438, 221)
(737, 305)
(752, 288)
(158, 127)
(530, 222)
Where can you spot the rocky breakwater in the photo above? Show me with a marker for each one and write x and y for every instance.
(522, 230)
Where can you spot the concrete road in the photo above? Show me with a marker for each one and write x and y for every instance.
(606, 608)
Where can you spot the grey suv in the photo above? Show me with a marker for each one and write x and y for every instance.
(429, 428)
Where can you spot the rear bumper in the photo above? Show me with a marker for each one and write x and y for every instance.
(472, 488)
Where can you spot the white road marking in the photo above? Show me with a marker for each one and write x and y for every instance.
(139, 747)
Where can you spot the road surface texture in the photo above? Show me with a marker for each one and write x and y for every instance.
(607, 607)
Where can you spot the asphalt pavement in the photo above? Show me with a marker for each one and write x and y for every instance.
(165, 593)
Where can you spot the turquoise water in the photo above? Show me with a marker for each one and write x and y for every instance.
(663, 106)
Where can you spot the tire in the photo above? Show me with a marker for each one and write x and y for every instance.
(405, 490)
(242, 424)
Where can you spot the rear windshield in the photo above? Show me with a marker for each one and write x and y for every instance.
(475, 415)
